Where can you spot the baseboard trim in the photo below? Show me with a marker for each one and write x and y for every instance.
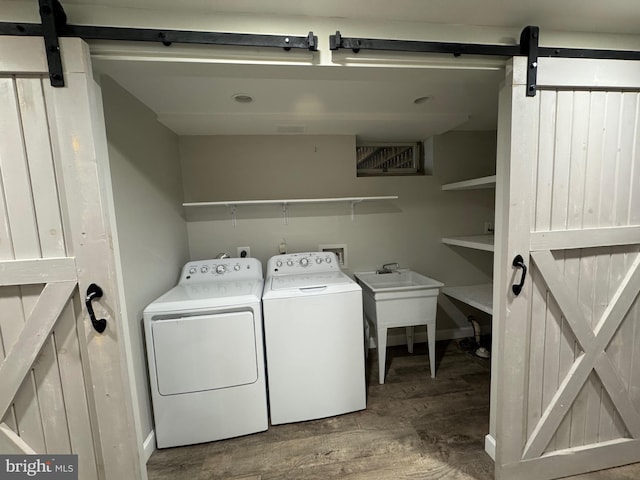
(149, 445)
(490, 446)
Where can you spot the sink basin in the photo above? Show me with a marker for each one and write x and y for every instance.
(397, 284)
(402, 298)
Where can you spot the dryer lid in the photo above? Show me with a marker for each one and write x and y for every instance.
(208, 294)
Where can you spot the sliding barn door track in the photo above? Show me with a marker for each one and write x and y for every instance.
(54, 25)
(528, 47)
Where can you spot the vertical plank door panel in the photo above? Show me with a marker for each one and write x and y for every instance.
(11, 324)
(49, 390)
(26, 403)
(40, 163)
(535, 403)
(544, 183)
(74, 388)
(6, 241)
(15, 175)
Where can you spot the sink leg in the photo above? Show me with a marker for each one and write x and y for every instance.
(431, 338)
(381, 334)
(409, 332)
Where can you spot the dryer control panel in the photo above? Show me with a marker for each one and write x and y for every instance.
(221, 269)
(298, 263)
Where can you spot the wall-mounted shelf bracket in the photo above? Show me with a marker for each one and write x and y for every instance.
(285, 213)
(353, 209)
(233, 209)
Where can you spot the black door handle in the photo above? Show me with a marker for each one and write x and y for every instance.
(94, 291)
(518, 262)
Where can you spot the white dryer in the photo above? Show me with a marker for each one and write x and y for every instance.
(314, 338)
(205, 354)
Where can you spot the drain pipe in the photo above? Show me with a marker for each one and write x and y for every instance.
(480, 351)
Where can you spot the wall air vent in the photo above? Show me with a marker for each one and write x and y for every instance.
(389, 159)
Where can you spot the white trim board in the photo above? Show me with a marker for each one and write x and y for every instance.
(149, 445)
(490, 446)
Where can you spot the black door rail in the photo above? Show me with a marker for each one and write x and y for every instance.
(528, 47)
(54, 25)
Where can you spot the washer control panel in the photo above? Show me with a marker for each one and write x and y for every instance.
(308, 262)
(221, 269)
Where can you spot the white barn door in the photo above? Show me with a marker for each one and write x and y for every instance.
(63, 385)
(568, 202)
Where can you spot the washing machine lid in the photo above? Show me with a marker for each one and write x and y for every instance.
(323, 279)
(208, 295)
(283, 286)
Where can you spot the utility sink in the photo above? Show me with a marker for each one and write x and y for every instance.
(402, 298)
(396, 282)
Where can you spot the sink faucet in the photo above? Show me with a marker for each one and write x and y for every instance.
(388, 268)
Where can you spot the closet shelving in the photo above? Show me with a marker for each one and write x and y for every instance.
(478, 296)
(473, 184)
(478, 242)
(284, 203)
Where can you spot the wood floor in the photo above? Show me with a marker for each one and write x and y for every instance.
(414, 427)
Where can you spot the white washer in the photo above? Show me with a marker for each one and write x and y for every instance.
(314, 338)
(205, 353)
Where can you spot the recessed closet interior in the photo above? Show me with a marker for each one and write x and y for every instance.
(183, 138)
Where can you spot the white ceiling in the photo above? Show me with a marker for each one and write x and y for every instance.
(372, 103)
(610, 16)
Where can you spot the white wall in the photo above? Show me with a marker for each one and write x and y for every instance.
(147, 191)
(407, 230)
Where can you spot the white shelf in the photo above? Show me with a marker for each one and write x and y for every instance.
(478, 296)
(478, 242)
(473, 184)
(232, 203)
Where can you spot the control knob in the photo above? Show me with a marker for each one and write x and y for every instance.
(193, 270)
(290, 263)
(328, 259)
(304, 262)
(204, 269)
(236, 267)
(279, 263)
(318, 260)
(220, 269)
